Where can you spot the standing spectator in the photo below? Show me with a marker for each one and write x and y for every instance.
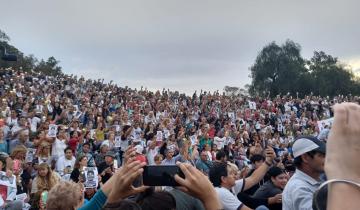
(59, 143)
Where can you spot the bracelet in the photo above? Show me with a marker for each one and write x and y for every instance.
(337, 181)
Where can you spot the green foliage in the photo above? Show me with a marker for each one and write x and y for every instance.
(4, 36)
(281, 69)
(28, 62)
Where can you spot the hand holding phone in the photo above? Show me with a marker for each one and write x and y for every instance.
(161, 175)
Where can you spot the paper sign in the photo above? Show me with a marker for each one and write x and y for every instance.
(91, 177)
(52, 130)
(321, 124)
(219, 142)
(7, 181)
(166, 133)
(252, 105)
(30, 154)
(193, 139)
(21, 197)
(159, 136)
(92, 133)
(117, 141)
(231, 116)
(50, 108)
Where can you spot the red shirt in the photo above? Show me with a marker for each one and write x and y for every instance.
(211, 133)
(3, 192)
(141, 158)
(73, 142)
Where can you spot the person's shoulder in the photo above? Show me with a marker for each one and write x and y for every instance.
(61, 158)
(295, 185)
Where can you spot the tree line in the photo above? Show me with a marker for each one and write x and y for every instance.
(48, 67)
(280, 70)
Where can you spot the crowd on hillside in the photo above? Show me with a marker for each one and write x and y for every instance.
(59, 129)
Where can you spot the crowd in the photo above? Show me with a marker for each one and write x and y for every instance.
(63, 135)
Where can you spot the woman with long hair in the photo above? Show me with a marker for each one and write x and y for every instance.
(45, 179)
(80, 163)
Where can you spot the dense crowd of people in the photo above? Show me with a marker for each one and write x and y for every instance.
(63, 135)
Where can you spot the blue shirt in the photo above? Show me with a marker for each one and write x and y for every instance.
(299, 191)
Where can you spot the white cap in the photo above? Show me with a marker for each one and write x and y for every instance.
(307, 144)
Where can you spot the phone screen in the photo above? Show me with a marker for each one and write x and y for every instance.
(161, 175)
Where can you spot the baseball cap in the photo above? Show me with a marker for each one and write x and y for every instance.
(110, 154)
(306, 144)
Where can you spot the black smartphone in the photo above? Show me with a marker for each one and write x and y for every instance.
(161, 175)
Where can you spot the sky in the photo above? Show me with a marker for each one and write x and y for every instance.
(182, 45)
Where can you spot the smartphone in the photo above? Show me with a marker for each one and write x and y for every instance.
(44, 196)
(161, 175)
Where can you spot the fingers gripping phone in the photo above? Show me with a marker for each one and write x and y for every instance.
(161, 175)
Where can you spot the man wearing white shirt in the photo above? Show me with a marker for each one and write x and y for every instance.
(223, 178)
(65, 163)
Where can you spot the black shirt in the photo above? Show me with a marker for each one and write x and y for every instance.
(102, 167)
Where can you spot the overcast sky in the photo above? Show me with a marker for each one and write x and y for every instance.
(178, 44)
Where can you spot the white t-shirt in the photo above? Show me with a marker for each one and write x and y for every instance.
(11, 122)
(62, 163)
(228, 200)
(58, 148)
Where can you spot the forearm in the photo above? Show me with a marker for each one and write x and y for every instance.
(343, 196)
(96, 203)
(256, 177)
(251, 201)
(212, 203)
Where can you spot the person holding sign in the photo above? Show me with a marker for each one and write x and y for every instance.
(8, 192)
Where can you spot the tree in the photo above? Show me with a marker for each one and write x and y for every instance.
(28, 62)
(277, 69)
(49, 67)
(330, 77)
(4, 37)
(231, 91)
